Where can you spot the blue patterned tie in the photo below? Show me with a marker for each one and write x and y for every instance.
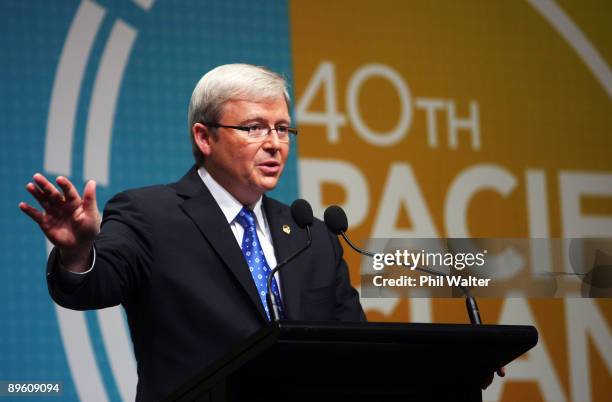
(256, 260)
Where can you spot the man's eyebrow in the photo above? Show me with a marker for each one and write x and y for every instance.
(264, 121)
(253, 119)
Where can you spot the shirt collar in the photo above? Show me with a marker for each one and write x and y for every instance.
(229, 205)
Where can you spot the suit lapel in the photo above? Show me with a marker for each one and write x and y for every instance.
(202, 208)
(285, 244)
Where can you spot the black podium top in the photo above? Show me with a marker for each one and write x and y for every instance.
(369, 360)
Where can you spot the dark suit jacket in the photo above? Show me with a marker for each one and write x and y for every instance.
(168, 255)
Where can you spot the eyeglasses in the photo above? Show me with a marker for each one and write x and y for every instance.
(258, 132)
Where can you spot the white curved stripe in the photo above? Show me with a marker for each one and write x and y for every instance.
(104, 100)
(383, 305)
(79, 353)
(420, 310)
(119, 351)
(144, 4)
(577, 40)
(66, 87)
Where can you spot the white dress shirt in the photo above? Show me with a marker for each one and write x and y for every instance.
(230, 207)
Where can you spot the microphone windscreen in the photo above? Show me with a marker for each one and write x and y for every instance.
(335, 219)
(301, 211)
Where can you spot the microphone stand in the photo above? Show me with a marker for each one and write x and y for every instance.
(270, 297)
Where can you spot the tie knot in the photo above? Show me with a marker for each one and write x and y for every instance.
(246, 218)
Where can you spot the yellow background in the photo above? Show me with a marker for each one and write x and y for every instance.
(540, 108)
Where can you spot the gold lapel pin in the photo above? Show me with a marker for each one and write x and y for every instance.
(286, 229)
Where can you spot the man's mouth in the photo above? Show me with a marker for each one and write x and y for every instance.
(269, 167)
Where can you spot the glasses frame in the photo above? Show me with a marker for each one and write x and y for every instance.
(291, 131)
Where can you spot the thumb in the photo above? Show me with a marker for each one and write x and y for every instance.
(89, 197)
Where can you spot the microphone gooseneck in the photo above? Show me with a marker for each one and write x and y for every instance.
(470, 301)
(301, 212)
(337, 222)
(354, 247)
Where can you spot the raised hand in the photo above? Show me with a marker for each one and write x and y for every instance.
(67, 220)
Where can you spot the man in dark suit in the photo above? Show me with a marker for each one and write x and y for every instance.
(187, 260)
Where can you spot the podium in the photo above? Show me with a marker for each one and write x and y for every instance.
(309, 361)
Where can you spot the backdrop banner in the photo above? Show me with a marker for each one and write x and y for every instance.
(469, 119)
(423, 120)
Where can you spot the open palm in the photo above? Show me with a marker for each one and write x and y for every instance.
(68, 220)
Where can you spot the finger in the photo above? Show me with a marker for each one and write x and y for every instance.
(38, 194)
(32, 212)
(49, 189)
(89, 196)
(70, 192)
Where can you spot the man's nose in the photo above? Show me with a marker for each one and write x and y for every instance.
(272, 142)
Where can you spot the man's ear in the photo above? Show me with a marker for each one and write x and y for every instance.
(203, 138)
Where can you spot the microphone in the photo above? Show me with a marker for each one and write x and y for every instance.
(301, 212)
(337, 223)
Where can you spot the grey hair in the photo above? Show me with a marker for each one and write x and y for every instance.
(226, 82)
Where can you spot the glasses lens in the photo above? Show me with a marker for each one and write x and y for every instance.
(283, 133)
(257, 131)
(261, 131)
